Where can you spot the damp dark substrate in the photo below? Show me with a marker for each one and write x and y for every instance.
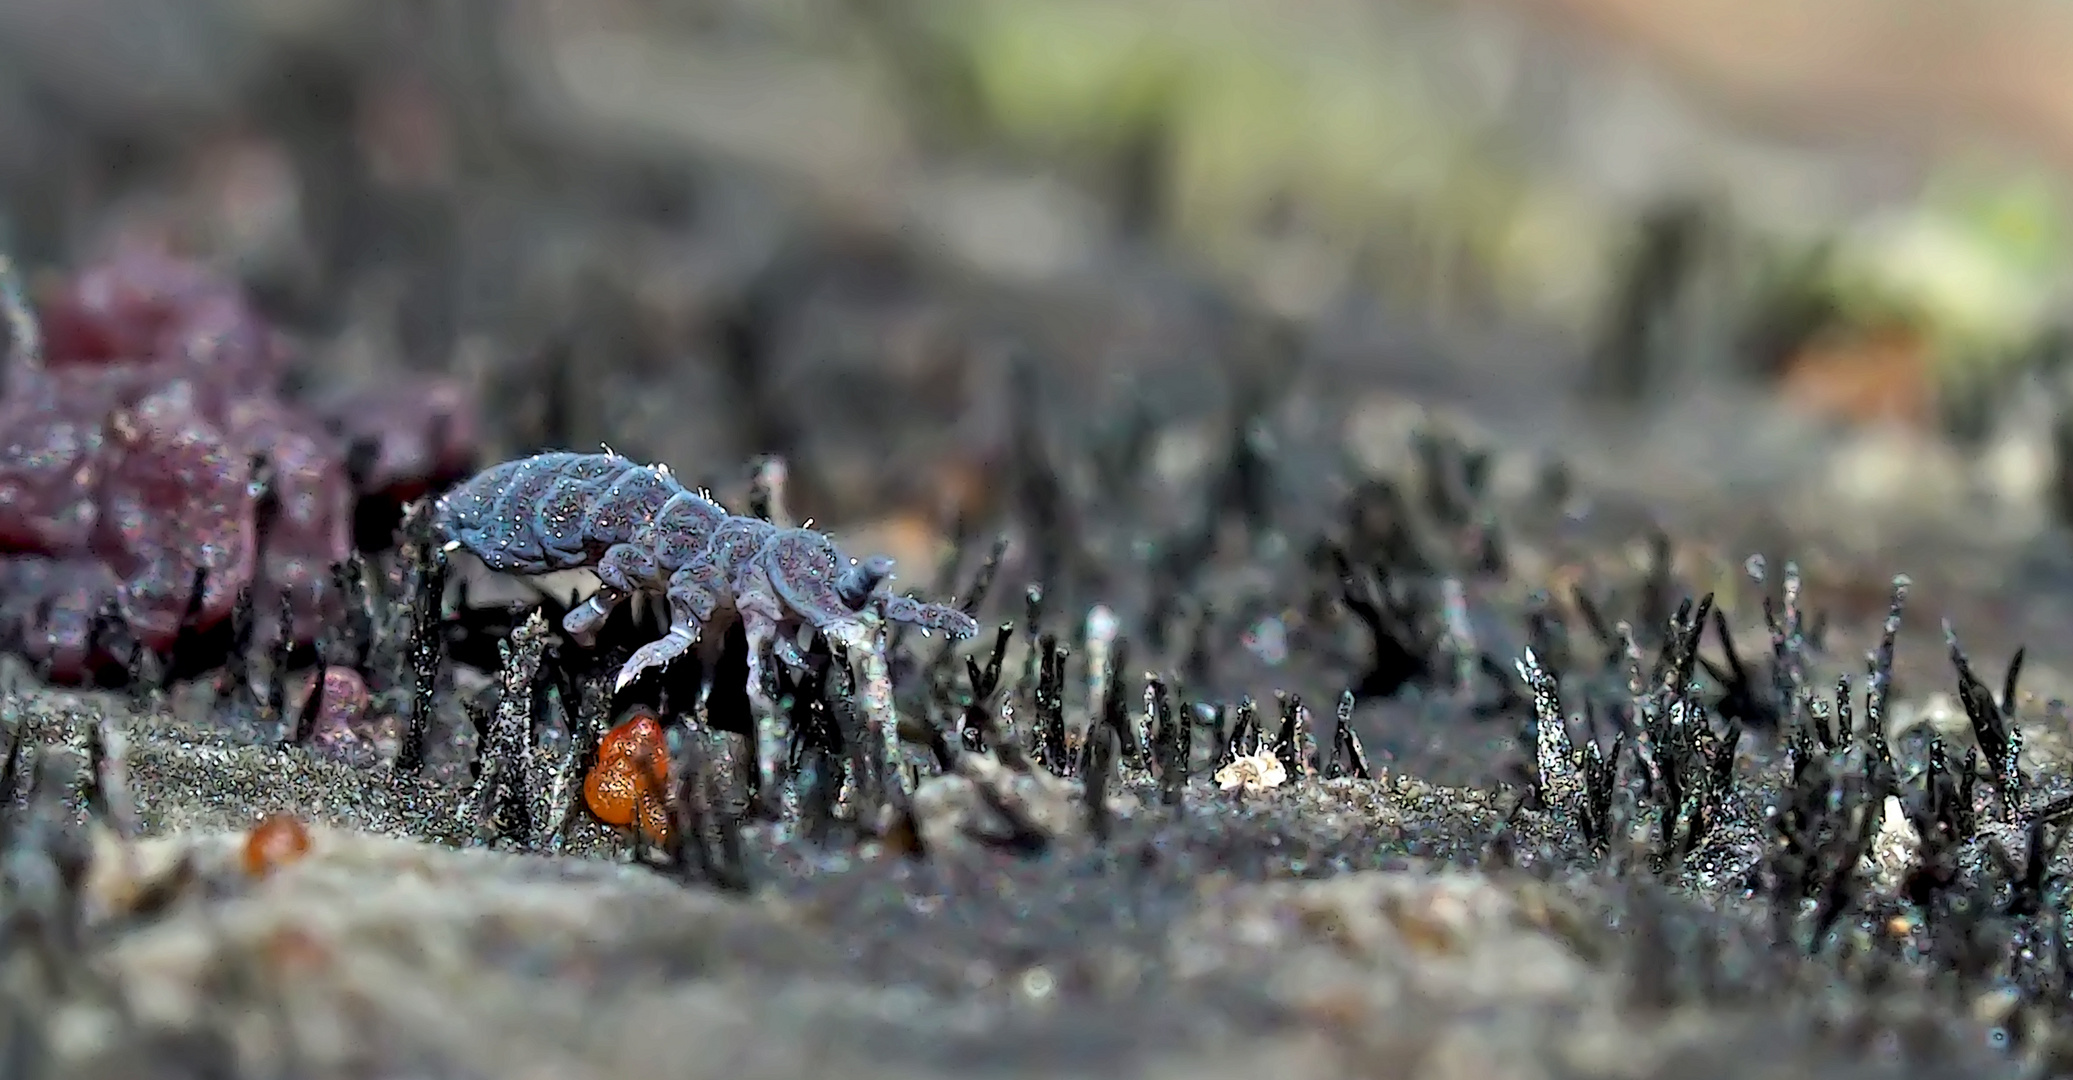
(1712, 812)
(1706, 814)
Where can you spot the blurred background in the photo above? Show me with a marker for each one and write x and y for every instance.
(1752, 248)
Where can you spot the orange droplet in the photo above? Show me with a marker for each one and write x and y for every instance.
(654, 819)
(628, 785)
(275, 842)
(608, 791)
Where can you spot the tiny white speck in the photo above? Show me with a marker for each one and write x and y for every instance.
(1268, 640)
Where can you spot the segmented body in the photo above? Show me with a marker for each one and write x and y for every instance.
(641, 531)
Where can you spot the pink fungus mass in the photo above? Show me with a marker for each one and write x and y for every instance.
(343, 727)
(151, 473)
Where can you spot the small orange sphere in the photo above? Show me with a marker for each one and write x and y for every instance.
(628, 785)
(275, 842)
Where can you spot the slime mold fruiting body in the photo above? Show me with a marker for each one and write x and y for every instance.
(628, 786)
(149, 470)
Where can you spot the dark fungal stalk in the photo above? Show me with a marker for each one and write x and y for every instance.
(428, 574)
(358, 636)
(279, 656)
(1052, 751)
(1741, 701)
(1095, 775)
(982, 587)
(980, 728)
(504, 803)
(1243, 736)
(1348, 758)
(236, 677)
(1292, 738)
(1173, 744)
(1998, 738)
(705, 839)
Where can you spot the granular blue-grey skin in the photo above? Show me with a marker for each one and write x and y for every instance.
(641, 531)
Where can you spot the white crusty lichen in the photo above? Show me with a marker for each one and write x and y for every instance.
(1252, 772)
(1894, 848)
